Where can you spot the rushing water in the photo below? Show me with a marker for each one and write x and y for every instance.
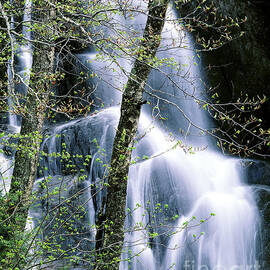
(189, 211)
(204, 188)
(166, 190)
(19, 70)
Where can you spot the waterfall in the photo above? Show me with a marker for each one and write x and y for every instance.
(204, 189)
(214, 218)
(21, 65)
(21, 68)
(166, 189)
(185, 210)
(193, 187)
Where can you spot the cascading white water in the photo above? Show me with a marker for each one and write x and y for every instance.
(200, 184)
(168, 188)
(21, 68)
(183, 186)
(22, 63)
(195, 185)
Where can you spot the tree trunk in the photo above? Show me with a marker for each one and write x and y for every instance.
(109, 246)
(33, 110)
(27, 154)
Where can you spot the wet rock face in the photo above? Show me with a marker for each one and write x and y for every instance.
(247, 67)
(242, 66)
(80, 147)
(4, 120)
(257, 174)
(68, 193)
(62, 209)
(66, 141)
(263, 201)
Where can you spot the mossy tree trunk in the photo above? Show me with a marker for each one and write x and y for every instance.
(109, 245)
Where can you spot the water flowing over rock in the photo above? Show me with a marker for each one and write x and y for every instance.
(257, 174)
(184, 210)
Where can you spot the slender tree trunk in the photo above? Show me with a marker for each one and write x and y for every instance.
(109, 246)
(3, 76)
(27, 152)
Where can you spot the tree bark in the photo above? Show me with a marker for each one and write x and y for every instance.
(33, 110)
(109, 246)
(27, 154)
